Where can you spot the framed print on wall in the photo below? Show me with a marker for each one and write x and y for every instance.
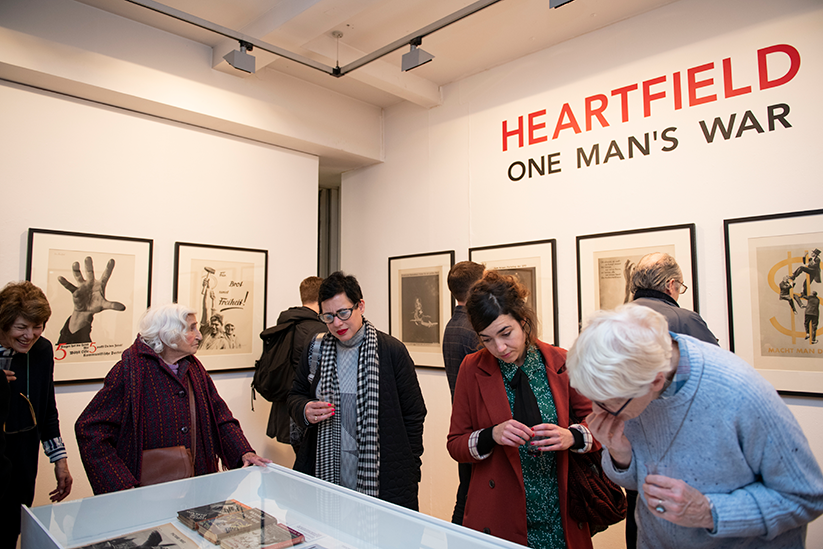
(420, 304)
(772, 274)
(606, 261)
(98, 286)
(226, 287)
(535, 264)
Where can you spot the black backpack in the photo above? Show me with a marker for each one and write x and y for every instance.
(273, 373)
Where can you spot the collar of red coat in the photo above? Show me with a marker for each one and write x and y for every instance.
(554, 357)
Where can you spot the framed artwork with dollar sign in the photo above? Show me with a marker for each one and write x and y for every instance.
(773, 280)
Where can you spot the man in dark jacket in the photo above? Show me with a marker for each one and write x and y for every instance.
(657, 283)
(363, 406)
(459, 340)
(306, 325)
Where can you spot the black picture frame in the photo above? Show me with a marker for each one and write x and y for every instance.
(604, 258)
(420, 303)
(766, 328)
(120, 267)
(535, 263)
(230, 284)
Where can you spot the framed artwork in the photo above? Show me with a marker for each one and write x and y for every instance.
(226, 287)
(420, 304)
(605, 263)
(98, 286)
(535, 264)
(773, 280)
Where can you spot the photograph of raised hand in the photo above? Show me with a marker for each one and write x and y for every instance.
(89, 298)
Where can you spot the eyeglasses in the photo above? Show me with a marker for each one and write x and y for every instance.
(682, 289)
(342, 314)
(617, 413)
(33, 418)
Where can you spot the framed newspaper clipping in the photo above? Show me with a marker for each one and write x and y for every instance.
(605, 263)
(98, 287)
(535, 265)
(226, 286)
(420, 304)
(773, 280)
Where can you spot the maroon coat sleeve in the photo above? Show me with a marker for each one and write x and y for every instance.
(98, 430)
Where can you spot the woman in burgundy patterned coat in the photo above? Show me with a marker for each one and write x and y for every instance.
(144, 404)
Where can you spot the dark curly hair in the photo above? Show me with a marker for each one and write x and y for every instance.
(339, 283)
(496, 294)
(23, 299)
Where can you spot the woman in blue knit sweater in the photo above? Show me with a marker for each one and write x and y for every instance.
(718, 458)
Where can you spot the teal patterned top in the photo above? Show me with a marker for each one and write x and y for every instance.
(543, 520)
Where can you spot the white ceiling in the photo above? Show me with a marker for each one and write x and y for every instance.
(500, 33)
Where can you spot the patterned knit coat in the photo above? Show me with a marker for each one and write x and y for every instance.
(144, 405)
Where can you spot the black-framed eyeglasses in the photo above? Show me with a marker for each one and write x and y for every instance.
(33, 419)
(342, 314)
(617, 413)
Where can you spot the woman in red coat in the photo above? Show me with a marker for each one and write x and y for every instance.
(510, 419)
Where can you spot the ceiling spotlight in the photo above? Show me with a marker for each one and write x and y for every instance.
(416, 56)
(241, 60)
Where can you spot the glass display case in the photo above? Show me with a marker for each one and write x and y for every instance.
(330, 517)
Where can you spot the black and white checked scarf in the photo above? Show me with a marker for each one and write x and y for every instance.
(327, 466)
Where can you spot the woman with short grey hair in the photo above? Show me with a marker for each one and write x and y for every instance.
(164, 326)
(718, 458)
(145, 404)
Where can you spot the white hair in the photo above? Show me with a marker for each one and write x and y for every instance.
(619, 353)
(163, 326)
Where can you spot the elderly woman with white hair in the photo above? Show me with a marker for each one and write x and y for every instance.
(145, 404)
(718, 458)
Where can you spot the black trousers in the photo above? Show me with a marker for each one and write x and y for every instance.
(631, 525)
(23, 450)
(464, 472)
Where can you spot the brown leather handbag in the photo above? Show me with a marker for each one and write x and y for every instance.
(174, 462)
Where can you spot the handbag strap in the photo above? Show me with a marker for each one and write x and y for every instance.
(193, 413)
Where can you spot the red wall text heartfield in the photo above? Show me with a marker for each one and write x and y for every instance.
(694, 86)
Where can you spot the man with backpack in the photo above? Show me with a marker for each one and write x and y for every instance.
(283, 345)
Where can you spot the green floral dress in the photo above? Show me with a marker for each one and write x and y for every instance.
(545, 526)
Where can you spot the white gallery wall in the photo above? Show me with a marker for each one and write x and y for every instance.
(446, 185)
(75, 166)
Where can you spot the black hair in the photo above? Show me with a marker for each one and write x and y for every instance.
(337, 283)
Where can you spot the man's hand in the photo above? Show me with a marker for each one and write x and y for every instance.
(250, 458)
(608, 430)
(89, 296)
(511, 433)
(64, 480)
(9, 375)
(674, 500)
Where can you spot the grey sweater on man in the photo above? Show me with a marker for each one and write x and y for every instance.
(740, 446)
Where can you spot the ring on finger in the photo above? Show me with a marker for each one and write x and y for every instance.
(660, 509)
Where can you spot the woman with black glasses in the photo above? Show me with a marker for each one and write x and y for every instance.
(28, 363)
(511, 421)
(361, 405)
